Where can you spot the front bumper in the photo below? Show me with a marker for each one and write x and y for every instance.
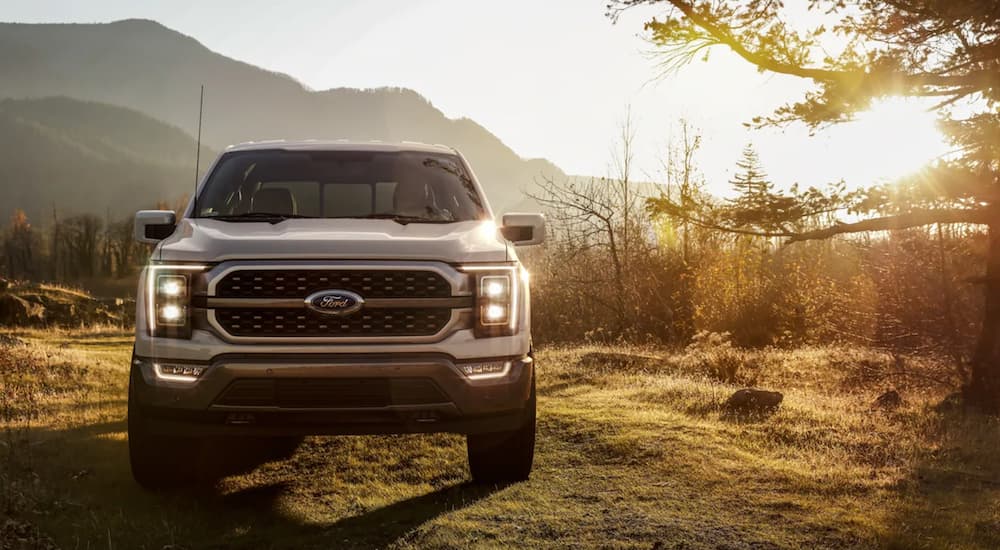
(448, 400)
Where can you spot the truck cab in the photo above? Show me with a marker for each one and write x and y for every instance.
(331, 288)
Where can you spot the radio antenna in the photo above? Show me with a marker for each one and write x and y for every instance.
(197, 154)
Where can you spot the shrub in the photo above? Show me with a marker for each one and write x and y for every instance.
(712, 354)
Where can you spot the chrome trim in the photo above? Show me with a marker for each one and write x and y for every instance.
(458, 318)
(461, 286)
(212, 302)
(454, 302)
(310, 302)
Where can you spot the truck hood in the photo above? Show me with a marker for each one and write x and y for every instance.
(207, 240)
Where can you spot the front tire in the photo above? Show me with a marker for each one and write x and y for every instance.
(505, 457)
(157, 461)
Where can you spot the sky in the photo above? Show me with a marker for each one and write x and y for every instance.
(551, 78)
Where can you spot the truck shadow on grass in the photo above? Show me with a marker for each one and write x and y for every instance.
(254, 502)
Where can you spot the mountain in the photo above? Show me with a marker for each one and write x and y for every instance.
(147, 67)
(89, 157)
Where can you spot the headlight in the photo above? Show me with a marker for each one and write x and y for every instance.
(497, 290)
(168, 296)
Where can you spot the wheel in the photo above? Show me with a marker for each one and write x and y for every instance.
(157, 461)
(505, 457)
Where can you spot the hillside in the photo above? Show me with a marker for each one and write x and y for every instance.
(89, 157)
(147, 67)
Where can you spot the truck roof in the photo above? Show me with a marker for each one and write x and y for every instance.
(341, 145)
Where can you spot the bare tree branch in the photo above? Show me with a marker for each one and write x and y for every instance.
(901, 221)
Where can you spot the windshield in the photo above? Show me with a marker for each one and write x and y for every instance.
(407, 185)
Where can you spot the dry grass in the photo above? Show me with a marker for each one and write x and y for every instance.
(633, 451)
(63, 289)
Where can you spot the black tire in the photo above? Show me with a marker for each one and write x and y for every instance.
(505, 457)
(157, 461)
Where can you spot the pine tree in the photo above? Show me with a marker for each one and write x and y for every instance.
(750, 180)
(756, 206)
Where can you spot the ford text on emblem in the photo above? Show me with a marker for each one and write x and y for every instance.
(334, 302)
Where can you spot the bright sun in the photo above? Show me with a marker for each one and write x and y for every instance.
(894, 138)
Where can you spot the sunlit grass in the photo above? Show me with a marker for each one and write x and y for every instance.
(633, 450)
(51, 287)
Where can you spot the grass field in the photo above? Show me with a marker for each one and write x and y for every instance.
(633, 452)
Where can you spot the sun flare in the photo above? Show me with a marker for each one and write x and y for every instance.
(897, 137)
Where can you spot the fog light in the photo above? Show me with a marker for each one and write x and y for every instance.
(490, 369)
(178, 373)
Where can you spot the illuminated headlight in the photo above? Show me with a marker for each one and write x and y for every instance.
(487, 369)
(497, 295)
(178, 373)
(494, 314)
(495, 287)
(171, 315)
(168, 296)
(172, 286)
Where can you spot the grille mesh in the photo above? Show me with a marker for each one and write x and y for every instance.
(305, 323)
(331, 392)
(283, 283)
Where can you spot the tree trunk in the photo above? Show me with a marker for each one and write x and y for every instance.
(983, 389)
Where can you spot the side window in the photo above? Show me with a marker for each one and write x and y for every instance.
(347, 199)
(305, 193)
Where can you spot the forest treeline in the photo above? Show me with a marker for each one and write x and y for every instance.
(72, 250)
(98, 253)
(619, 268)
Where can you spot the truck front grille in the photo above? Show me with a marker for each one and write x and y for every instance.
(299, 283)
(264, 322)
(330, 393)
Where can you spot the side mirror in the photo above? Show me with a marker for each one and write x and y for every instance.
(523, 229)
(152, 226)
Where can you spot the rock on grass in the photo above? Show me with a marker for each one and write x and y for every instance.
(751, 401)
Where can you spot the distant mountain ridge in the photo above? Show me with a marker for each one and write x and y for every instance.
(84, 157)
(144, 66)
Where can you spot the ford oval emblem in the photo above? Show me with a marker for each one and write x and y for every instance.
(334, 302)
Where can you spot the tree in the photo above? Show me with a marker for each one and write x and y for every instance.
(81, 240)
(603, 215)
(683, 175)
(757, 205)
(125, 251)
(858, 51)
(19, 245)
(750, 180)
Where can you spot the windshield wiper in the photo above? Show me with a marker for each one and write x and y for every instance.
(257, 217)
(398, 218)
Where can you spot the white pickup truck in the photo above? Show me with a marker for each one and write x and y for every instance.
(320, 288)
